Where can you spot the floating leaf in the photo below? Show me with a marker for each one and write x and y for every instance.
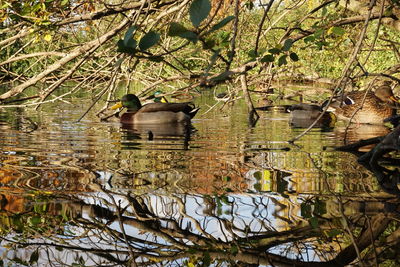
(222, 23)
(282, 60)
(199, 10)
(148, 40)
(176, 29)
(294, 57)
(268, 58)
(287, 44)
(124, 49)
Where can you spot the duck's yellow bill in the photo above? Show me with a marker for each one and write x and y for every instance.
(117, 106)
(394, 99)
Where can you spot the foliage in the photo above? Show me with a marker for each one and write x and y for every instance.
(198, 41)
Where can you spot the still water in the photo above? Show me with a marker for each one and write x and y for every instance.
(221, 193)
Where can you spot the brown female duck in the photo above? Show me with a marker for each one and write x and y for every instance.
(154, 113)
(377, 106)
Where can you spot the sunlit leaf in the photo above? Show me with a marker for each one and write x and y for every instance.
(148, 40)
(338, 31)
(199, 10)
(222, 23)
(47, 37)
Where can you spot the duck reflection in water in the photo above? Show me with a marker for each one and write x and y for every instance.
(161, 121)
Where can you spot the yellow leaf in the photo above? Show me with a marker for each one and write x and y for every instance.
(47, 37)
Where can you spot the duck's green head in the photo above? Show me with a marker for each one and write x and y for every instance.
(129, 101)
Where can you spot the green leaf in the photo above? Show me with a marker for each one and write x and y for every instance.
(268, 58)
(222, 23)
(124, 49)
(294, 57)
(287, 44)
(148, 40)
(128, 35)
(338, 31)
(309, 39)
(64, 2)
(176, 29)
(275, 51)
(131, 43)
(35, 220)
(282, 60)
(199, 10)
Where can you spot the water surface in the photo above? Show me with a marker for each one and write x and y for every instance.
(221, 192)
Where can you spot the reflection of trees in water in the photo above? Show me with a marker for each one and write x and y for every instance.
(107, 228)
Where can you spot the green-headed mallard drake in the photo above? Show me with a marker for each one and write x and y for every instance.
(154, 113)
(377, 106)
(303, 115)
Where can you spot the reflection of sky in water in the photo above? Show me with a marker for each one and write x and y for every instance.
(249, 214)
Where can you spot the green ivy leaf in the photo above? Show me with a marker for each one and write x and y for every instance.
(222, 23)
(282, 60)
(287, 44)
(199, 10)
(176, 29)
(294, 57)
(148, 40)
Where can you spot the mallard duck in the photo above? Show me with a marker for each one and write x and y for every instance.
(303, 115)
(154, 113)
(377, 106)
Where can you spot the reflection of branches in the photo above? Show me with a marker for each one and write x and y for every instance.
(127, 229)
